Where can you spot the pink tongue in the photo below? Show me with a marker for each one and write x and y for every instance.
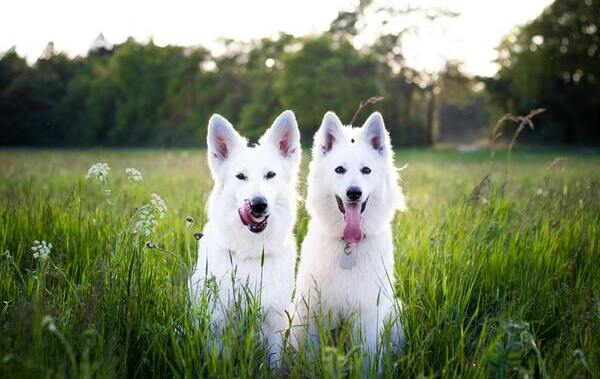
(244, 212)
(352, 231)
(247, 217)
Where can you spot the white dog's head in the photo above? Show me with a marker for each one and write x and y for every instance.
(353, 184)
(253, 185)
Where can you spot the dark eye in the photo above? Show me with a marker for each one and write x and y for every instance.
(270, 175)
(365, 170)
(241, 176)
(340, 169)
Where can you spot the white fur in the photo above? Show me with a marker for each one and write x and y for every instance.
(367, 288)
(228, 245)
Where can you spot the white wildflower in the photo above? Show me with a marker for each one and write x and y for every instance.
(541, 192)
(147, 217)
(99, 172)
(133, 175)
(48, 322)
(484, 201)
(41, 250)
(159, 204)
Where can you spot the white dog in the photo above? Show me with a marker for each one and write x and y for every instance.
(251, 216)
(347, 258)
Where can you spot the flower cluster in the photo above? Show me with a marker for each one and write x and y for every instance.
(159, 204)
(99, 172)
(147, 217)
(133, 175)
(41, 250)
(48, 322)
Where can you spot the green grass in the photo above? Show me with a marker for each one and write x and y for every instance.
(499, 282)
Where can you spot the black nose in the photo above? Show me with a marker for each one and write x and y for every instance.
(353, 193)
(258, 204)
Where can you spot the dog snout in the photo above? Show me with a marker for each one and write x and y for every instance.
(354, 193)
(258, 204)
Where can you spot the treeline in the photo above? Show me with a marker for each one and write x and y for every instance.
(140, 94)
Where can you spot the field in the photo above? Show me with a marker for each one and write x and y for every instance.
(498, 266)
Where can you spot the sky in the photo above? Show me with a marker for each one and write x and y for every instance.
(73, 25)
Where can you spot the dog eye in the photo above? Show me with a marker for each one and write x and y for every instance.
(340, 170)
(241, 176)
(270, 175)
(365, 170)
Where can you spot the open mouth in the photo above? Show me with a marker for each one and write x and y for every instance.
(342, 209)
(352, 213)
(256, 223)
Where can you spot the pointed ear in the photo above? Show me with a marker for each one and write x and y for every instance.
(222, 139)
(329, 133)
(284, 135)
(374, 132)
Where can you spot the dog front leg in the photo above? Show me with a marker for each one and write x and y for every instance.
(273, 331)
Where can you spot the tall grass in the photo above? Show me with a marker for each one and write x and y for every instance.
(498, 277)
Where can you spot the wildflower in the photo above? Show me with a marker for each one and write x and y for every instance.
(149, 245)
(41, 250)
(484, 201)
(541, 192)
(159, 204)
(188, 221)
(99, 172)
(133, 175)
(48, 322)
(147, 217)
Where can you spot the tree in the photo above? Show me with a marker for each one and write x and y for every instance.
(324, 76)
(262, 67)
(14, 97)
(554, 63)
(462, 110)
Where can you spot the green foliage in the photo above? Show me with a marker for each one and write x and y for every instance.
(553, 63)
(137, 94)
(461, 107)
(500, 281)
(325, 76)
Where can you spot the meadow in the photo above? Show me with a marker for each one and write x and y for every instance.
(497, 264)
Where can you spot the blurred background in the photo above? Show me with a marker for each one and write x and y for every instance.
(78, 74)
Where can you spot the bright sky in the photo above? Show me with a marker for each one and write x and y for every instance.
(73, 24)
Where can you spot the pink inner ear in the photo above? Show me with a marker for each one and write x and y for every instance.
(222, 147)
(376, 142)
(329, 140)
(284, 143)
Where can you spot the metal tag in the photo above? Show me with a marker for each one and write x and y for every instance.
(348, 259)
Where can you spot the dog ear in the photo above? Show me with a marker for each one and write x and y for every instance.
(284, 135)
(222, 139)
(374, 132)
(329, 132)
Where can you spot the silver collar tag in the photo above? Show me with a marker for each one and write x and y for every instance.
(348, 259)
